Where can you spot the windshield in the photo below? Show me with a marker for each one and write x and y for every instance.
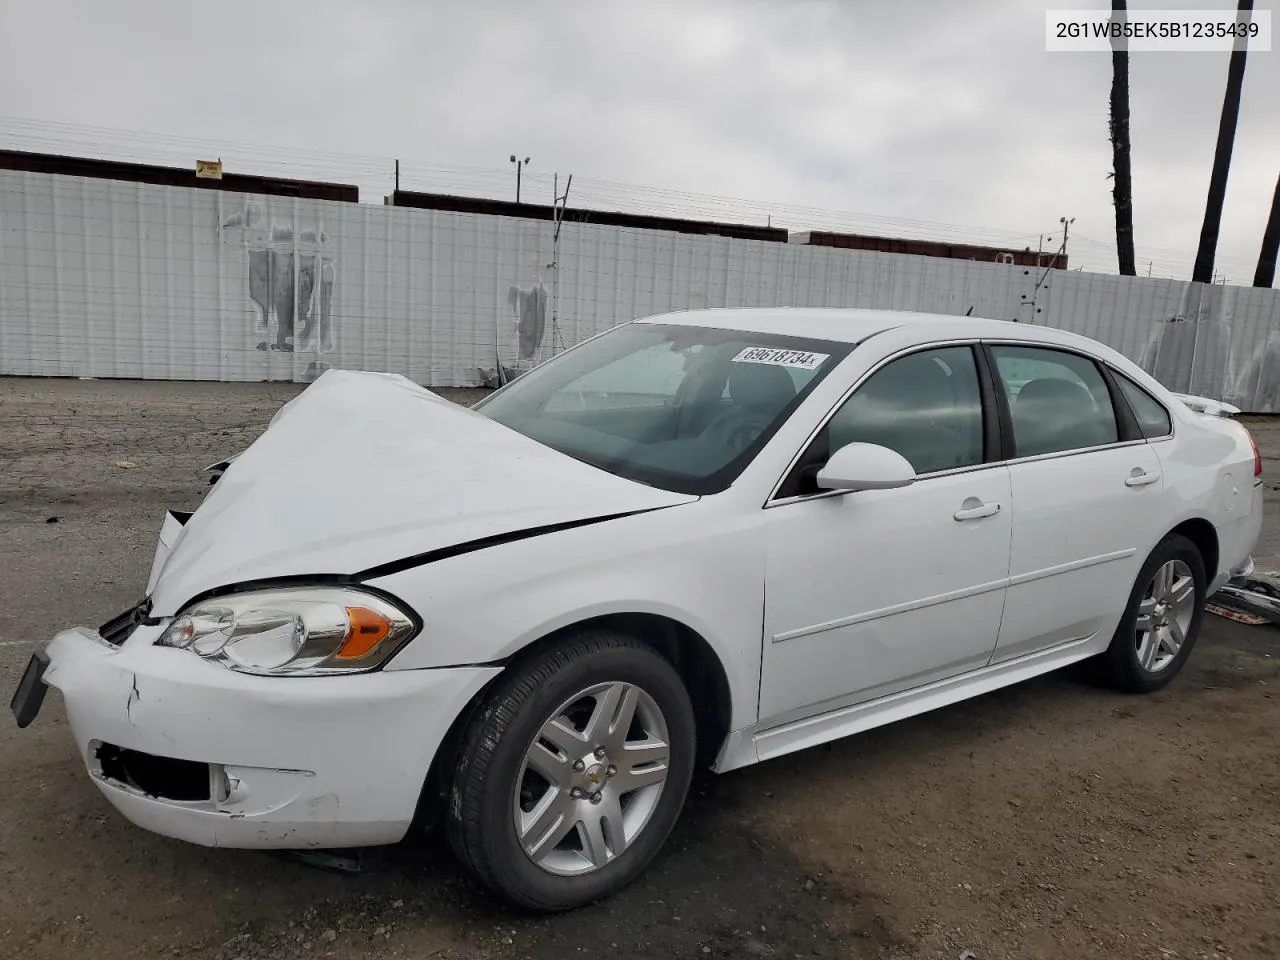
(679, 407)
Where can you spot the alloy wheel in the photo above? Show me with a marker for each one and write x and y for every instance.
(1164, 615)
(590, 780)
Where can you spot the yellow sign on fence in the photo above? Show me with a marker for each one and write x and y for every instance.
(209, 169)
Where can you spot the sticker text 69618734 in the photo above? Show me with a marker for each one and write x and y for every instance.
(781, 358)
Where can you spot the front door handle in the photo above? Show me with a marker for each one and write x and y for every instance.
(975, 509)
(1140, 478)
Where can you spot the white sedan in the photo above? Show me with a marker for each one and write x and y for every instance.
(711, 537)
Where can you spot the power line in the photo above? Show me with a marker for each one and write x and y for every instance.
(374, 174)
(588, 190)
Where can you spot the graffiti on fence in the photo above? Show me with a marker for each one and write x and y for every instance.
(290, 280)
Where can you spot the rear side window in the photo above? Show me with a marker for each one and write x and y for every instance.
(1058, 400)
(1152, 417)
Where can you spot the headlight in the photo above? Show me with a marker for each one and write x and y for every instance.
(305, 631)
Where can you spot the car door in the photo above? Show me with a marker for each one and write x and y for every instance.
(877, 591)
(1089, 495)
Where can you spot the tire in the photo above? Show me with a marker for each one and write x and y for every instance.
(541, 718)
(1130, 663)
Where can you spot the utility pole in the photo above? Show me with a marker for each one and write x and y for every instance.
(519, 165)
(558, 204)
(397, 176)
(1202, 272)
(1122, 171)
(1053, 261)
(1266, 272)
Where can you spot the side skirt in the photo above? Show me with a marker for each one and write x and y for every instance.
(751, 745)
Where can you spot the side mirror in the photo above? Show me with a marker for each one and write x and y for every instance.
(865, 466)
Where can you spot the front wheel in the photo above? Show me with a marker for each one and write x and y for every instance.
(573, 772)
(1162, 621)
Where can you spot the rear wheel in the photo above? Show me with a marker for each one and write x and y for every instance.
(1162, 621)
(573, 773)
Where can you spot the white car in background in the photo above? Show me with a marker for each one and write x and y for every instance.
(711, 537)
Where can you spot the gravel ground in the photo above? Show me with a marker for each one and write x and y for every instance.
(1054, 819)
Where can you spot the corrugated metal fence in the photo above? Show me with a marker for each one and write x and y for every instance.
(110, 279)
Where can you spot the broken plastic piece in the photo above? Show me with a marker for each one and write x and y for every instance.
(1250, 599)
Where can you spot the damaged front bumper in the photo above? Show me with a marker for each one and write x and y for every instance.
(191, 750)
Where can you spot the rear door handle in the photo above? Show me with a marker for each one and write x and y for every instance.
(1139, 478)
(975, 509)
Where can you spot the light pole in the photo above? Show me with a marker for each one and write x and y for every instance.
(519, 164)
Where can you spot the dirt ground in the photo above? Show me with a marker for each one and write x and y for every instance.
(1054, 819)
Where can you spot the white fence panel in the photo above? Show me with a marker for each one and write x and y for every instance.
(108, 279)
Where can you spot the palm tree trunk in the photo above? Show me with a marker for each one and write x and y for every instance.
(1266, 273)
(1203, 270)
(1122, 190)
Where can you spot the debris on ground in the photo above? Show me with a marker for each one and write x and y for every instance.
(1253, 600)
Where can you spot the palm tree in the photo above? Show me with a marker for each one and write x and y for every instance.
(1122, 190)
(1203, 270)
(1266, 274)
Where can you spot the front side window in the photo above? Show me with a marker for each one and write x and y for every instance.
(683, 408)
(1153, 418)
(926, 406)
(1058, 400)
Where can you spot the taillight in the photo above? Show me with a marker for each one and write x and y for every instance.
(1257, 457)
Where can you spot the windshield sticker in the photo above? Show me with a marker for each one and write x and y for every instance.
(802, 359)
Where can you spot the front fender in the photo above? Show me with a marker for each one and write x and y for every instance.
(698, 567)
(170, 530)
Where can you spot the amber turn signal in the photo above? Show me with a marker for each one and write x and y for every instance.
(368, 629)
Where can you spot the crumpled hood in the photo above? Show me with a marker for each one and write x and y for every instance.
(362, 469)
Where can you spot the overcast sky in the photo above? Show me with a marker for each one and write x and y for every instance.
(934, 113)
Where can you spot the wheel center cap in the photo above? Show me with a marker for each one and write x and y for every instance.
(589, 776)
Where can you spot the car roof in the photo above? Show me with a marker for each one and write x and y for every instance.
(854, 325)
(840, 324)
